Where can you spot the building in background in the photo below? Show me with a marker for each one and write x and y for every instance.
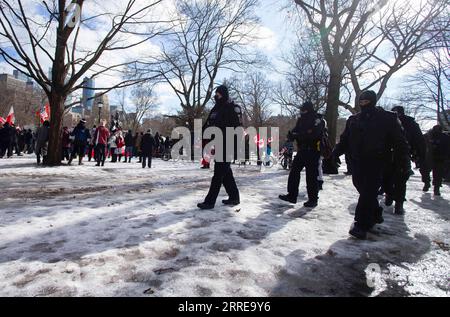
(22, 77)
(88, 93)
(19, 92)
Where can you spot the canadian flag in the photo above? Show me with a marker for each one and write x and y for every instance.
(45, 113)
(11, 119)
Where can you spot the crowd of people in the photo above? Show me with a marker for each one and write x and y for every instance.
(15, 140)
(98, 144)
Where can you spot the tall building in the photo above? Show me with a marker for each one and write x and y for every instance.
(88, 93)
(21, 76)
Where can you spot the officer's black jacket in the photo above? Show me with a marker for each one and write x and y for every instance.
(415, 137)
(439, 146)
(224, 115)
(309, 130)
(373, 136)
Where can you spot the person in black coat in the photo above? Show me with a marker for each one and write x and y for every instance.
(308, 133)
(129, 146)
(439, 156)
(82, 138)
(4, 139)
(223, 115)
(28, 141)
(147, 146)
(370, 138)
(394, 185)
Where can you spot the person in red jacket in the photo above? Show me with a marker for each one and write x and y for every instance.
(101, 140)
(120, 142)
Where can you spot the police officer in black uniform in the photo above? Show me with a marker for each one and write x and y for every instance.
(225, 114)
(394, 185)
(308, 132)
(370, 137)
(439, 156)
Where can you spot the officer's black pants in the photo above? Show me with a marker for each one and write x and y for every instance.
(367, 178)
(394, 185)
(309, 159)
(438, 173)
(223, 174)
(425, 172)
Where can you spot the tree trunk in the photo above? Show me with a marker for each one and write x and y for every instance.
(55, 140)
(332, 114)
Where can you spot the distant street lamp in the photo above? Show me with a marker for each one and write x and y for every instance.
(100, 106)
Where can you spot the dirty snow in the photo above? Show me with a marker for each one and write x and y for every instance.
(124, 231)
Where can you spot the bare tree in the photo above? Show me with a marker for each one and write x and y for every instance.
(338, 23)
(404, 30)
(32, 43)
(209, 36)
(161, 124)
(430, 87)
(254, 93)
(144, 101)
(306, 77)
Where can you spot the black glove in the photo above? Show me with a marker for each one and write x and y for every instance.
(291, 136)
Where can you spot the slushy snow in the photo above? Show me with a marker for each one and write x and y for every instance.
(121, 230)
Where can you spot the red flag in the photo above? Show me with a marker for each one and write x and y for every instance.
(11, 119)
(45, 113)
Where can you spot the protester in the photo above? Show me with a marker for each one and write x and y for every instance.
(147, 146)
(42, 142)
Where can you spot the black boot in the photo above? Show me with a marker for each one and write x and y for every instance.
(288, 198)
(358, 232)
(311, 204)
(426, 187)
(205, 206)
(437, 191)
(399, 210)
(231, 202)
(320, 185)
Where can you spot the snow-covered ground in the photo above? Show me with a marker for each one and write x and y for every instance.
(124, 231)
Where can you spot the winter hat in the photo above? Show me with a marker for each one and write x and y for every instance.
(400, 110)
(223, 91)
(307, 107)
(371, 96)
(437, 129)
(149, 131)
